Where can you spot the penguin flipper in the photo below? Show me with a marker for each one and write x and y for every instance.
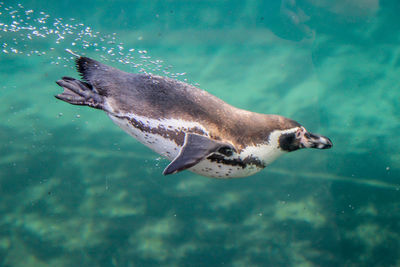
(196, 148)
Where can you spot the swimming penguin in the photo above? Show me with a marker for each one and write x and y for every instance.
(192, 128)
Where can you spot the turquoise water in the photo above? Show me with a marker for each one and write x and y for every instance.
(75, 190)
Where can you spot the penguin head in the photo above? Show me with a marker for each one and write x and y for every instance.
(301, 138)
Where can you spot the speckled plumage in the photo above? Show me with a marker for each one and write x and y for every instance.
(161, 113)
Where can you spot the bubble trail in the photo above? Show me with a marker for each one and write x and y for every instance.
(27, 32)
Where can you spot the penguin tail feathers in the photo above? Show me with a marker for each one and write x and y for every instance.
(87, 67)
(79, 93)
(97, 74)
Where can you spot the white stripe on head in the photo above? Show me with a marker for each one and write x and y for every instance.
(267, 152)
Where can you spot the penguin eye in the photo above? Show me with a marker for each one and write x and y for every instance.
(299, 132)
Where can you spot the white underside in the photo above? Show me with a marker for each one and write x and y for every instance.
(163, 146)
(167, 148)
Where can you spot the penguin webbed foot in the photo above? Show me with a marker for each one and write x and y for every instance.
(79, 93)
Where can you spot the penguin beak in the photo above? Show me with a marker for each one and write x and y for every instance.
(310, 140)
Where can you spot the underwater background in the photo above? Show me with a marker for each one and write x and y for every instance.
(75, 190)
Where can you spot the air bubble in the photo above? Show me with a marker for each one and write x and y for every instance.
(27, 28)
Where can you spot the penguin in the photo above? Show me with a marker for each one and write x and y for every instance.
(193, 129)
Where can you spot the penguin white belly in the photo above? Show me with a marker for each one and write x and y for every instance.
(169, 149)
(240, 165)
(164, 146)
(209, 168)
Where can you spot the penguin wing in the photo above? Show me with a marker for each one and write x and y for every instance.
(196, 148)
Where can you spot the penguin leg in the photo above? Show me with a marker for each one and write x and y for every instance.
(79, 93)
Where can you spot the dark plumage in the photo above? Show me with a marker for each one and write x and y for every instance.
(131, 97)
